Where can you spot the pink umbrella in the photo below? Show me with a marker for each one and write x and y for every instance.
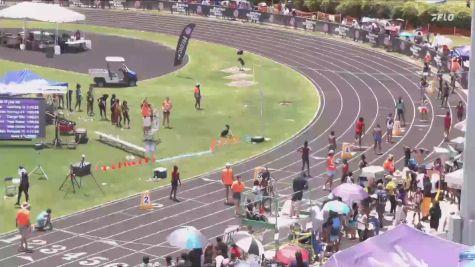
(286, 254)
(350, 192)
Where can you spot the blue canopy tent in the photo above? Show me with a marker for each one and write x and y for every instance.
(462, 52)
(27, 82)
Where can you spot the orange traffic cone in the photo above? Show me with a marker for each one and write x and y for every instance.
(119, 165)
(113, 167)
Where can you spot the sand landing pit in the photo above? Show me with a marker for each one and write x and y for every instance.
(241, 83)
(239, 76)
(234, 70)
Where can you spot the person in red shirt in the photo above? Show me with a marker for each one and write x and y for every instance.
(331, 170)
(197, 94)
(235, 251)
(345, 169)
(359, 130)
(447, 125)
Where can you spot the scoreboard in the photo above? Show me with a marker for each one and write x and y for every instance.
(22, 118)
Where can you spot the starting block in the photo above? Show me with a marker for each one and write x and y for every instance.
(397, 129)
(145, 201)
(346, 151)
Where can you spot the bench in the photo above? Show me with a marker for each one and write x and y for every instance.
(122, 144)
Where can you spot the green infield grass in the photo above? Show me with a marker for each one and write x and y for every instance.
(193, 131)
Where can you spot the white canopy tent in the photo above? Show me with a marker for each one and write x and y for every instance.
(41, 12)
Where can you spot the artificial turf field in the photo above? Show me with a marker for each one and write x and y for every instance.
(192, 131)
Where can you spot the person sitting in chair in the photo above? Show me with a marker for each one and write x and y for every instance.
(226, 132)
(43, 221)
(77, 35)
(125, 72)
(251, 214)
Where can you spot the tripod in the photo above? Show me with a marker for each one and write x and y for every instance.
(57, 141)
(38, 170)
(74, 182)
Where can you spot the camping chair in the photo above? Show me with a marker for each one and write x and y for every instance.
(11, 189)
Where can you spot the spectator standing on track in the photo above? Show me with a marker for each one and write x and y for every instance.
(166, 109)
(331, 170)
(183, 261)
(423, 86)
(237, 187)
(400, 109)
(78, 98)
(175, 180)
(332, 141)
(424, 109)
(460, 111)
(24, 227)
(305, 150)
(445, 96)
(227, 177)
(168, 262)
(359, 130)
(389, 128)
(378, 138)
(197, 94)
(299, 184)
(447, 125)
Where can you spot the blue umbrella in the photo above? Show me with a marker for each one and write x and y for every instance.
(336, 206)
(462, 52)
(187, 237)
(406, 34)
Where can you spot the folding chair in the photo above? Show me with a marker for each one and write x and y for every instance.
(11, 189)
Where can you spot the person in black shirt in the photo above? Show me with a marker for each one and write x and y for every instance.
(102, 103)
(299, 184)
(69, 100)
(24, 185)
(305, 150)
(194, 256)
(221, 246)
(112, 102)
(78, 97)
(226, 132)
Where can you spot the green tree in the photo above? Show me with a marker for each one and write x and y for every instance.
(410, 13)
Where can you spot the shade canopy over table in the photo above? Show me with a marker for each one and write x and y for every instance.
(454, 179)
(27, 82)
(41, 12)
(401, 246)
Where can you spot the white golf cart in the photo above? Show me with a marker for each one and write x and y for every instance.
(123, 77)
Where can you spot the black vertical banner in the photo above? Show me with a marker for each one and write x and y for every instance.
(183, 43)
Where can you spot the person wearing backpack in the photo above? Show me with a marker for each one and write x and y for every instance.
(400, 108)
(381, 199)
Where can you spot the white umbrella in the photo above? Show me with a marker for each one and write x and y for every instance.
(461, 126)
(350, 192)
(454, 179)
(372, 171)
(248, 243)
(443, 40)
(458, 140)
(317, 217)
(187, 237)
